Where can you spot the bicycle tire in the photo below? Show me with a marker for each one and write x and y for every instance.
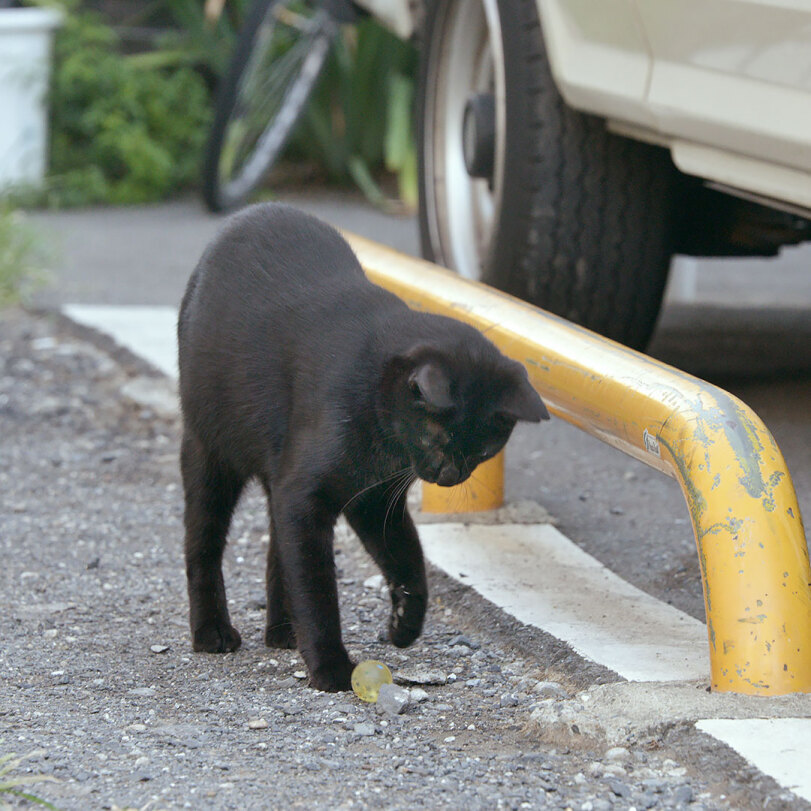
(232, 167)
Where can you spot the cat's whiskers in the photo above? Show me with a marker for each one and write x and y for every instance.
(399, 488)
(482, 483)
(385, 479)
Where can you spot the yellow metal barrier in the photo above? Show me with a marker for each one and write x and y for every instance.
(747, 524)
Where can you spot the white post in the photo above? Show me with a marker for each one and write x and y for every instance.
(26, 35)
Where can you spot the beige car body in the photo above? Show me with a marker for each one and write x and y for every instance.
(724, 84)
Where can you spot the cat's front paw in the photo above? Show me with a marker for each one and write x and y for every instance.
(407, 614)
(216, 637)
(280, 636)
(332, 678)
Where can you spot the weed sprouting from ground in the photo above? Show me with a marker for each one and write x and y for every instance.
(21, 258)
(11, 785)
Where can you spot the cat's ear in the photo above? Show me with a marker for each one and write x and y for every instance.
(429, 385)
(521, 402)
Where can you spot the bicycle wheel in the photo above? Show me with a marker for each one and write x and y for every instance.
(278, 58)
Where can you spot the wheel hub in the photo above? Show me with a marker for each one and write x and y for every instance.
(479, 135)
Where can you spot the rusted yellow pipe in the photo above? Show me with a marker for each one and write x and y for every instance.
(749, 532)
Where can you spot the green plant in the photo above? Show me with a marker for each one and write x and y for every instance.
(10, 785)
(20, 267)
(194, 39)
(131, 129)
(359, 117)
(121, 132)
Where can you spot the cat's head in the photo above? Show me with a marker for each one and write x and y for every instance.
(451, 411)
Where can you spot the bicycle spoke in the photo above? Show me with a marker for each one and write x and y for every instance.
(285, 58)
(273, 139)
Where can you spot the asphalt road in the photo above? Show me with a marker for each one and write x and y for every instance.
(743, 324)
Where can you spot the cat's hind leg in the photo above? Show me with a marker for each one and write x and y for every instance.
(279, 631)
(212, 490)
(386, 530)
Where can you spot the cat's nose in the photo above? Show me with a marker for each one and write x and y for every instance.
(449, 475)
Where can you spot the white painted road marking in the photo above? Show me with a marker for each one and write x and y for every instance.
(148, 332)
(540, 577)
(779, 747)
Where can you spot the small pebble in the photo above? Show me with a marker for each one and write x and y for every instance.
(420, 676)
(617, 754)
(363, 729)
(257, 723)
(620, 789)
(159, 648)
(549, 689)
(392, 699)
(461, 639)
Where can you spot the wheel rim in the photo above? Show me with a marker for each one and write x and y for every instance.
(289, 51)
(462, 211)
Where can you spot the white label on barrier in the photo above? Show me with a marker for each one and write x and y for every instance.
(651, 443)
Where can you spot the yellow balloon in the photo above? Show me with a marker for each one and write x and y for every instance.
(367, 679)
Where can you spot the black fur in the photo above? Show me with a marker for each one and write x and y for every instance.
(296, 370)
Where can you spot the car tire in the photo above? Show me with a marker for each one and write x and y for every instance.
(573, 218)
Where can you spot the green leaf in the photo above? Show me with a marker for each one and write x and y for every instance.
(365, 182)
(27, 780)
(32, 798)
(399, 140)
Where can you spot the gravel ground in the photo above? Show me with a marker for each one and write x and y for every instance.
(96, 667)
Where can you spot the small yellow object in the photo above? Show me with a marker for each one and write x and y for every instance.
(367, 679)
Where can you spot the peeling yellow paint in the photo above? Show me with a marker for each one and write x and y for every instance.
(736, 484)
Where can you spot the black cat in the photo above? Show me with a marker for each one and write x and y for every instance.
(298, 371)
